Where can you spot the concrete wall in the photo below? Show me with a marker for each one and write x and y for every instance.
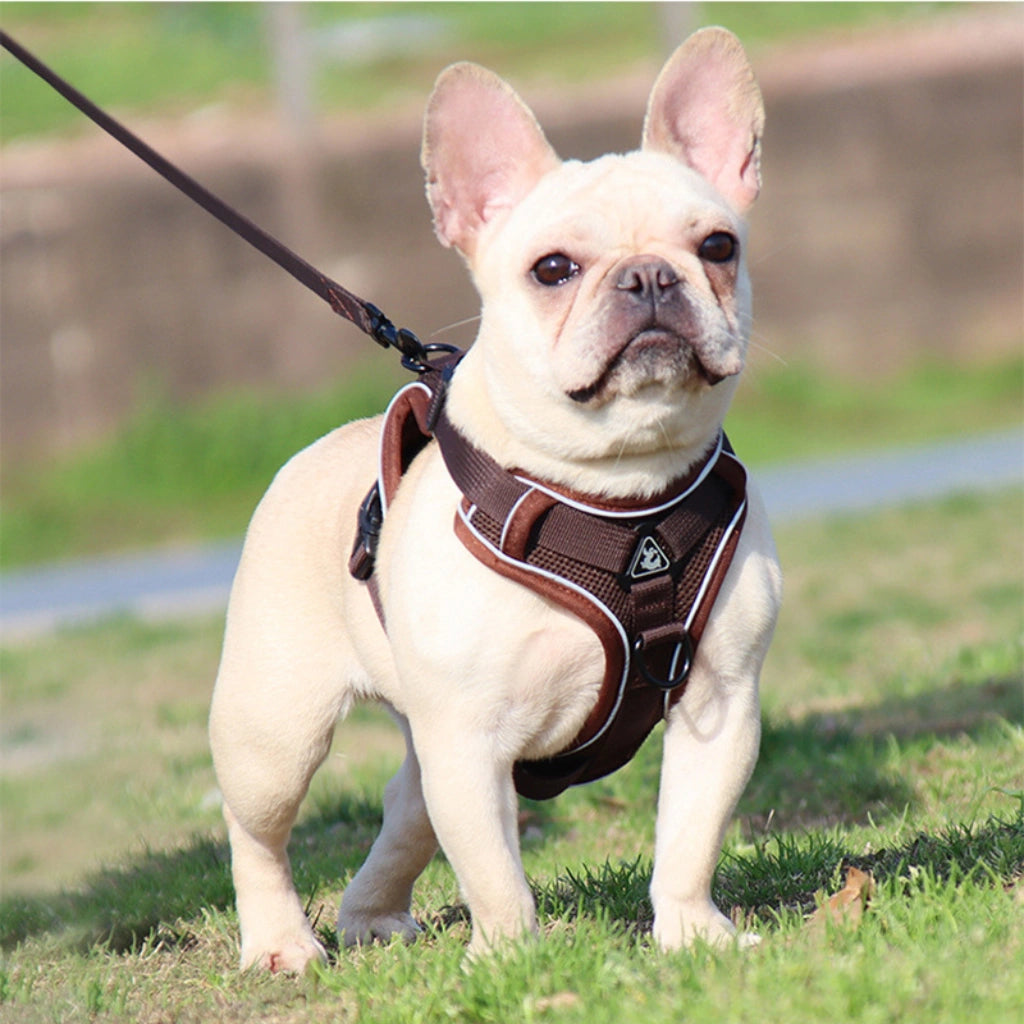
(890, 228)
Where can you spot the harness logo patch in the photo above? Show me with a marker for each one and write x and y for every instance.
(648, 560)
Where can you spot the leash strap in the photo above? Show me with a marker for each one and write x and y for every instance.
(366, 316)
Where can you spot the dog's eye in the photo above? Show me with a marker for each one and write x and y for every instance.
(718, 247)
(555, 268)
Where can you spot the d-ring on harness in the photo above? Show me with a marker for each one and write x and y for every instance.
(643, 575)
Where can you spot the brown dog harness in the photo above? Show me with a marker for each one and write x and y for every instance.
(643, 575)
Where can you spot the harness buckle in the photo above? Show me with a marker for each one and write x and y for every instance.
(364, 551)
(682, 657)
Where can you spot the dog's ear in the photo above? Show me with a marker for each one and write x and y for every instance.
(706, 109)
(483, 151)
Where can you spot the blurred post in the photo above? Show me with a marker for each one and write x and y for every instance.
(678, 19)
(293, 70)
(295, 360)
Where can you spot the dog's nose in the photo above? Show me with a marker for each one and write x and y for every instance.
(647, 278)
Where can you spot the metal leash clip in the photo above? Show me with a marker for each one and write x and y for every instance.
(415, 355)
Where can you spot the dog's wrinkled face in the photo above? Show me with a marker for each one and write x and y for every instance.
(616, 303)
(630, 269)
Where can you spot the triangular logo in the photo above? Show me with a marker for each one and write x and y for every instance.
(648, 560)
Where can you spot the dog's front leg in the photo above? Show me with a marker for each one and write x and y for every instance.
(472, 803)
(711, 743)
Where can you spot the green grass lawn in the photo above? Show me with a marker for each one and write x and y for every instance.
(893, 741)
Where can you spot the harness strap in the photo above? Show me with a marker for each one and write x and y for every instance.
(574, 530)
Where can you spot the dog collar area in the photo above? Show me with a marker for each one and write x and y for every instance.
(644, 576)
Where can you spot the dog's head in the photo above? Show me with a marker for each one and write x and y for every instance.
(616, 303)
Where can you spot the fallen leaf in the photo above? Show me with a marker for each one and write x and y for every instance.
(846, 906)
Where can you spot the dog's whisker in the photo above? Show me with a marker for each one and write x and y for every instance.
(669, 443)
(454, 326)
(754, 343)
(770, 254)
(622, 451)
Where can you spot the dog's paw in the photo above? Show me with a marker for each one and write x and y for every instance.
(699, 924)
(291, 957)
(362, 929)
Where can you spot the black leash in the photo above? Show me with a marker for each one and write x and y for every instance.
(366, 316)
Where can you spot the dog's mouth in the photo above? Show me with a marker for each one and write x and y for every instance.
(664, 349)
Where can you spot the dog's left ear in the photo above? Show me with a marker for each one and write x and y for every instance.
(706, 110)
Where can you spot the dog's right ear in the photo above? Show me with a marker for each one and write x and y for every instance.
(483, 151)
(706, 110)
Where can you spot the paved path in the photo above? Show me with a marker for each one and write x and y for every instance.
(181, 581)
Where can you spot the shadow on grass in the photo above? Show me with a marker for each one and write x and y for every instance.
(826, 769)
(123, 908)
(786, 874)
(154, 897)
(834, 768)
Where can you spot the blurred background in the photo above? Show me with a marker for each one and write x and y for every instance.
(155, 370)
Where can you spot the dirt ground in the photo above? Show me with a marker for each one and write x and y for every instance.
(891, 228)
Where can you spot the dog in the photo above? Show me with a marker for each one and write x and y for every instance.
(615, 322)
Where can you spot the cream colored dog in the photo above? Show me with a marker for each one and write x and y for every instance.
(616, 307)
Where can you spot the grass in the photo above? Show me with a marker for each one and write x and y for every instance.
(183, 474)
(893, 741)
(128, 56)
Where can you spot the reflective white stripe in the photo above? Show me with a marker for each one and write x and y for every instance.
(730, 529)
(511, 515)
(380, 444)
(708, 574)
(673, 667)
(630, 513)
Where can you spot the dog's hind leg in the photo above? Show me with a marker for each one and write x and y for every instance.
(268, 739)
(288, 671)
(377, 901)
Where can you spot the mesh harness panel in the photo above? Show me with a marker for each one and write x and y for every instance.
(644, 576)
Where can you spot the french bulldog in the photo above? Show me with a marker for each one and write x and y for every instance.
(615, 322)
